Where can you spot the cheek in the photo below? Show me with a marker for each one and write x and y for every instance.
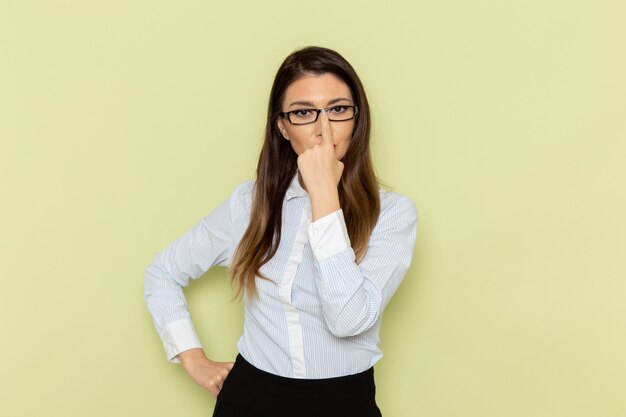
(344, 132)
(303, 135)
(301, 140)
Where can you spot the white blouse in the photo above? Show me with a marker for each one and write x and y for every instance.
(321, 315)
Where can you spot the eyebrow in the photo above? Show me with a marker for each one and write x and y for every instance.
(308, 103)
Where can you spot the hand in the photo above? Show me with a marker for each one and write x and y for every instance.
(319, 166)
(321, 171)
(206, 373)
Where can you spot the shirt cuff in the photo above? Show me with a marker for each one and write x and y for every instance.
(328, 235)
(179, 336)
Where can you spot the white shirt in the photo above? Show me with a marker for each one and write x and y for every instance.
(321, 316)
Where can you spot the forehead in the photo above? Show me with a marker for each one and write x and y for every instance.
(318, 89)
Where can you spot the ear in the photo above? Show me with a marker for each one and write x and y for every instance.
(281, 126)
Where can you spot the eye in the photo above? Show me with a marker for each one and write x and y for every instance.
(302, 112)
(339, 109)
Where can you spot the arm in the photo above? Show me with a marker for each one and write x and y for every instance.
(354, 296)
(207, 244)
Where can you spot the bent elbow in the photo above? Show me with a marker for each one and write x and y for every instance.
(345, 326)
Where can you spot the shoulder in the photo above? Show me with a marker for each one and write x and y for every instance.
(241, 197)
(244, 190)
(393, 201)
(395, 210)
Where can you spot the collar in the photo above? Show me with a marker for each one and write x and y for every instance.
(295, 189)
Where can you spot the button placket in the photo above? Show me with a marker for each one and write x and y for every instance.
(286, 291)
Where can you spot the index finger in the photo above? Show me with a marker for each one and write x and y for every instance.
(327, 134)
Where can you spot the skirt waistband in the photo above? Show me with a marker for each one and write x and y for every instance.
(361, 377)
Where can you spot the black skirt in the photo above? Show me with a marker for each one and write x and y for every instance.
(251, 392)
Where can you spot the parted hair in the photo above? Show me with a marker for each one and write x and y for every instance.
(358, 187)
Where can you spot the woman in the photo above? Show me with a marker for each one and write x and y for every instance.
(313, 246)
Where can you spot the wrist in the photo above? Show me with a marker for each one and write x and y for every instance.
(323, 208)
(323, 187)
(192, 356)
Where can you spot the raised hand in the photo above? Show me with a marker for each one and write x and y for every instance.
(321, 171)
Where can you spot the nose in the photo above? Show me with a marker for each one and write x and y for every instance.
(318, 123)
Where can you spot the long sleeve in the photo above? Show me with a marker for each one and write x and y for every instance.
(207, 244)
(354, 296)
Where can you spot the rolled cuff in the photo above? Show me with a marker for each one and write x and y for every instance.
(328, 235)
(179, 336)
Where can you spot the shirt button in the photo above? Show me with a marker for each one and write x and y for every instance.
(319, 247)
(314, 231)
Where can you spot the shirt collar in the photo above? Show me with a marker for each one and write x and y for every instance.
(295, 189)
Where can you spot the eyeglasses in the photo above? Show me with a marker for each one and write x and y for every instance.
(340, 113)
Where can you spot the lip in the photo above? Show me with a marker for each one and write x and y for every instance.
(334, 145)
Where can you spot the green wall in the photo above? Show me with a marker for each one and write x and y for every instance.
(122, 123)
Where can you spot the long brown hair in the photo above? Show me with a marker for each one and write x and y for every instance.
(358, 187)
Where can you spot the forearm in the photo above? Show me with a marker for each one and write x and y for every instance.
(192, 355)
(324, 200)
(354, 296)
(350, 302)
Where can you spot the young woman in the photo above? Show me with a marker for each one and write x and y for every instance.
(313, 246)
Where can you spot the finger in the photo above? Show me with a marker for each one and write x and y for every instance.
(327, 134)
(213, 388)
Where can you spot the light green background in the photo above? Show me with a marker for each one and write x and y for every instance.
(122, 123)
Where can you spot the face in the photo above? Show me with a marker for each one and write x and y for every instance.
(319, 92)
